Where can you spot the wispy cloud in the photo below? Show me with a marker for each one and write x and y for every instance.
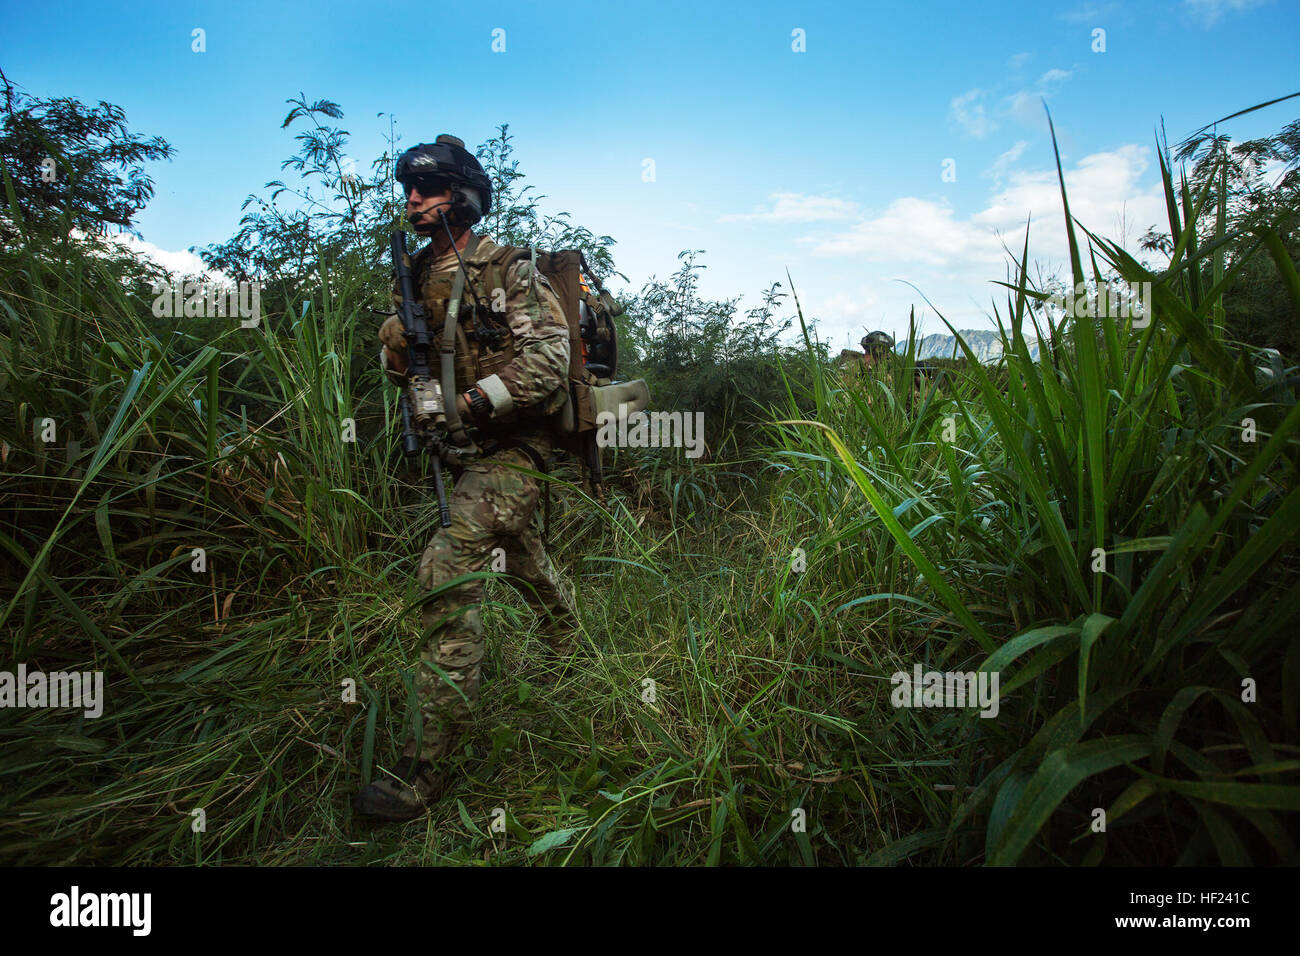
(1024, 106)
(1210, 12)
(1003, 163)
(797, 207)
(1090, 13)
(968, 112)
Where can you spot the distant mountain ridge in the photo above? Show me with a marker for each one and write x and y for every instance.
(985, 343)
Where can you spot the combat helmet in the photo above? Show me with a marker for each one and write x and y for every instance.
(447, 156)
(877, 342)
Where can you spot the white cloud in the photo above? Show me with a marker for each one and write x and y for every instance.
(920, 252)
(968, 113)
(1210, 12)
(1101, 187)
(178, 263)
(911, 230)
(1053, 76)
(796, 207)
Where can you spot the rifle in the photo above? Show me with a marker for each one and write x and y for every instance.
(422, 407)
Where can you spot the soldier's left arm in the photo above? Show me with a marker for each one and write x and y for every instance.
(541, 362)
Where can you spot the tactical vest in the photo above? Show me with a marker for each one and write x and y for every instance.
(485, 345)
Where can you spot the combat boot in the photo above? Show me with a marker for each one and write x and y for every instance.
(403, 796)
(561, 634)
(562, 653)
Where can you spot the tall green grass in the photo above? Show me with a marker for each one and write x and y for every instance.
(1101, 535)
(225, 686)
(770, 704)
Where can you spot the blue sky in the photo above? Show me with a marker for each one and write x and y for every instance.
(827, 162)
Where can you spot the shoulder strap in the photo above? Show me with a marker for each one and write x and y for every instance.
(454, 424)
(492, 262)
(563, 271)
(458, 284)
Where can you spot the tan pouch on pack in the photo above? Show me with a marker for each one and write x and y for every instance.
(634, 396)
(583, 415)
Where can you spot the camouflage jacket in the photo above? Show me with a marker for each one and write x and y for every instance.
(535, 379)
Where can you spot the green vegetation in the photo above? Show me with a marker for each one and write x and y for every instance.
(769, 591)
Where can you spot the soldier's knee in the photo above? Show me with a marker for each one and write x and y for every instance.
(430, 568)
(471, 624)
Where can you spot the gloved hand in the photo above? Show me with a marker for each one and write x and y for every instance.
(392, 334)
(392, 356)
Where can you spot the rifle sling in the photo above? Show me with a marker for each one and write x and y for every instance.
(455, 427)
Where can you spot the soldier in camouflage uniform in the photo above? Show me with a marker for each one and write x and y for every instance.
(872, 361)
(492, 505)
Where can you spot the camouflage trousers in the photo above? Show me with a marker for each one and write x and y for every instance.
(491, 508)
